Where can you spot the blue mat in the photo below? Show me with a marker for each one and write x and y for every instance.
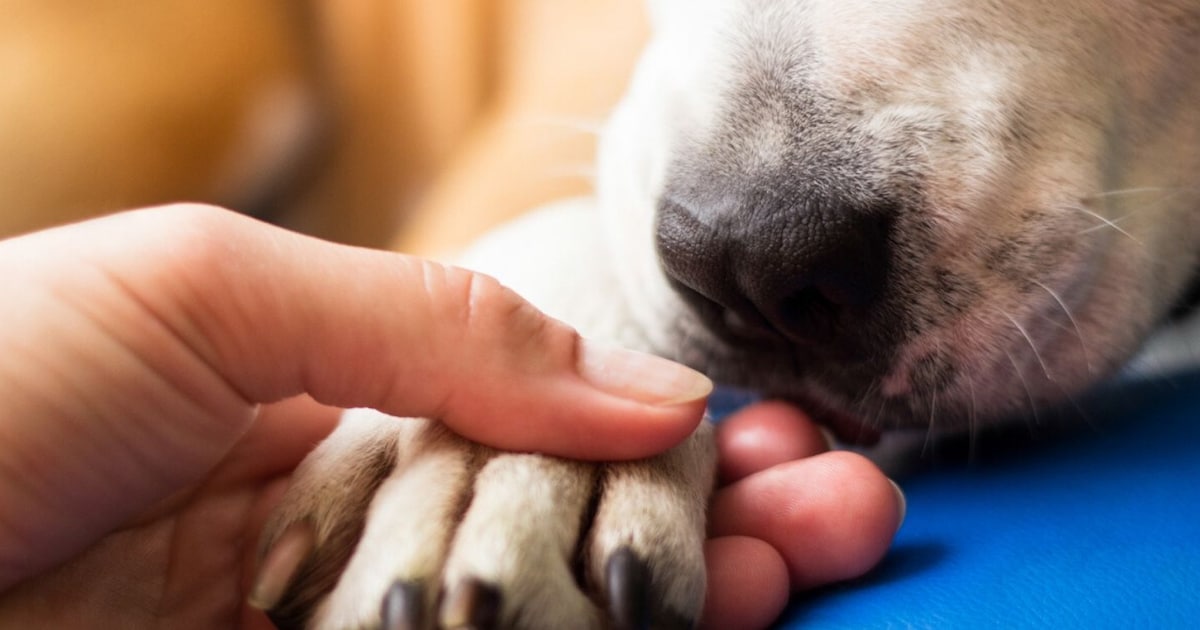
(1101, 530)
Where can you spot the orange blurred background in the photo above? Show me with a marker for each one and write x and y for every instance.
(405, 123)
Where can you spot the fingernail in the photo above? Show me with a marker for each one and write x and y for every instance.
(639, 376)
(281, 564)
(902, 505)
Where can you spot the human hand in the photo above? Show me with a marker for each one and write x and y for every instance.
(789, 515)
(137, 347)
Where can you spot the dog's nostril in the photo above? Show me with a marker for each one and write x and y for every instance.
(806, 315)
(795, 271)
(805, 304)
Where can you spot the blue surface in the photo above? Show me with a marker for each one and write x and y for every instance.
(1101, 530)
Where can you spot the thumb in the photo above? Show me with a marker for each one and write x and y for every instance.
(278, 314)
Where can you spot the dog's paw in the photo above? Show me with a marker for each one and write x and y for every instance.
(401, 524)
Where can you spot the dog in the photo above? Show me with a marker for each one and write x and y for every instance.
(914, 214)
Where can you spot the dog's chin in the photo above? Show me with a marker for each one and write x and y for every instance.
(846, 387)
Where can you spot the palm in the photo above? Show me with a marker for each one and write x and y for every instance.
(185, 563)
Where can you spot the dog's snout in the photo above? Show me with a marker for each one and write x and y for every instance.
(793, 269)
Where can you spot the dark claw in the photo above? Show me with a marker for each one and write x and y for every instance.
(472, 604)
(403, 606)
(630, 601)
(628, 585)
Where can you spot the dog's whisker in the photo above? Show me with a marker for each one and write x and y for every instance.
(1083, 413)
(1025, 384)
(879, 411)
(1087, 207)
(872, 393)
(1141, 190)
(1074, 324)
(859, 403)
(931, 426)
(864, 400)
(1050, 320)
(972, 424)
(1109, 224)
(1105, 222)
(1037, 355)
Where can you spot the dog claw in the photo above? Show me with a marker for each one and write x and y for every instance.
(628, 582)
(472, 604)
(280, 565)
(403, 606)
(630, 601)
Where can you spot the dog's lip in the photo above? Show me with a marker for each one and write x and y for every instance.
(750, 331)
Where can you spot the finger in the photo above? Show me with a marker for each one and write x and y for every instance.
(412, 337)
(747, 583)
(764, 435)
(276, 314)
(282, 435)
(831, 517)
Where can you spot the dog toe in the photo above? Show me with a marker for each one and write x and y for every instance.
(518, 541)
(646, 544)
(406, 535)
(309, 538)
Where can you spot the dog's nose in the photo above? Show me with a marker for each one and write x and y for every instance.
(798, 269)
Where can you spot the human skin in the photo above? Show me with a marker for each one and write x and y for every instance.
(162, 371)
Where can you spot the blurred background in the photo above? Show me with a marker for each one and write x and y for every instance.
(412, 124)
